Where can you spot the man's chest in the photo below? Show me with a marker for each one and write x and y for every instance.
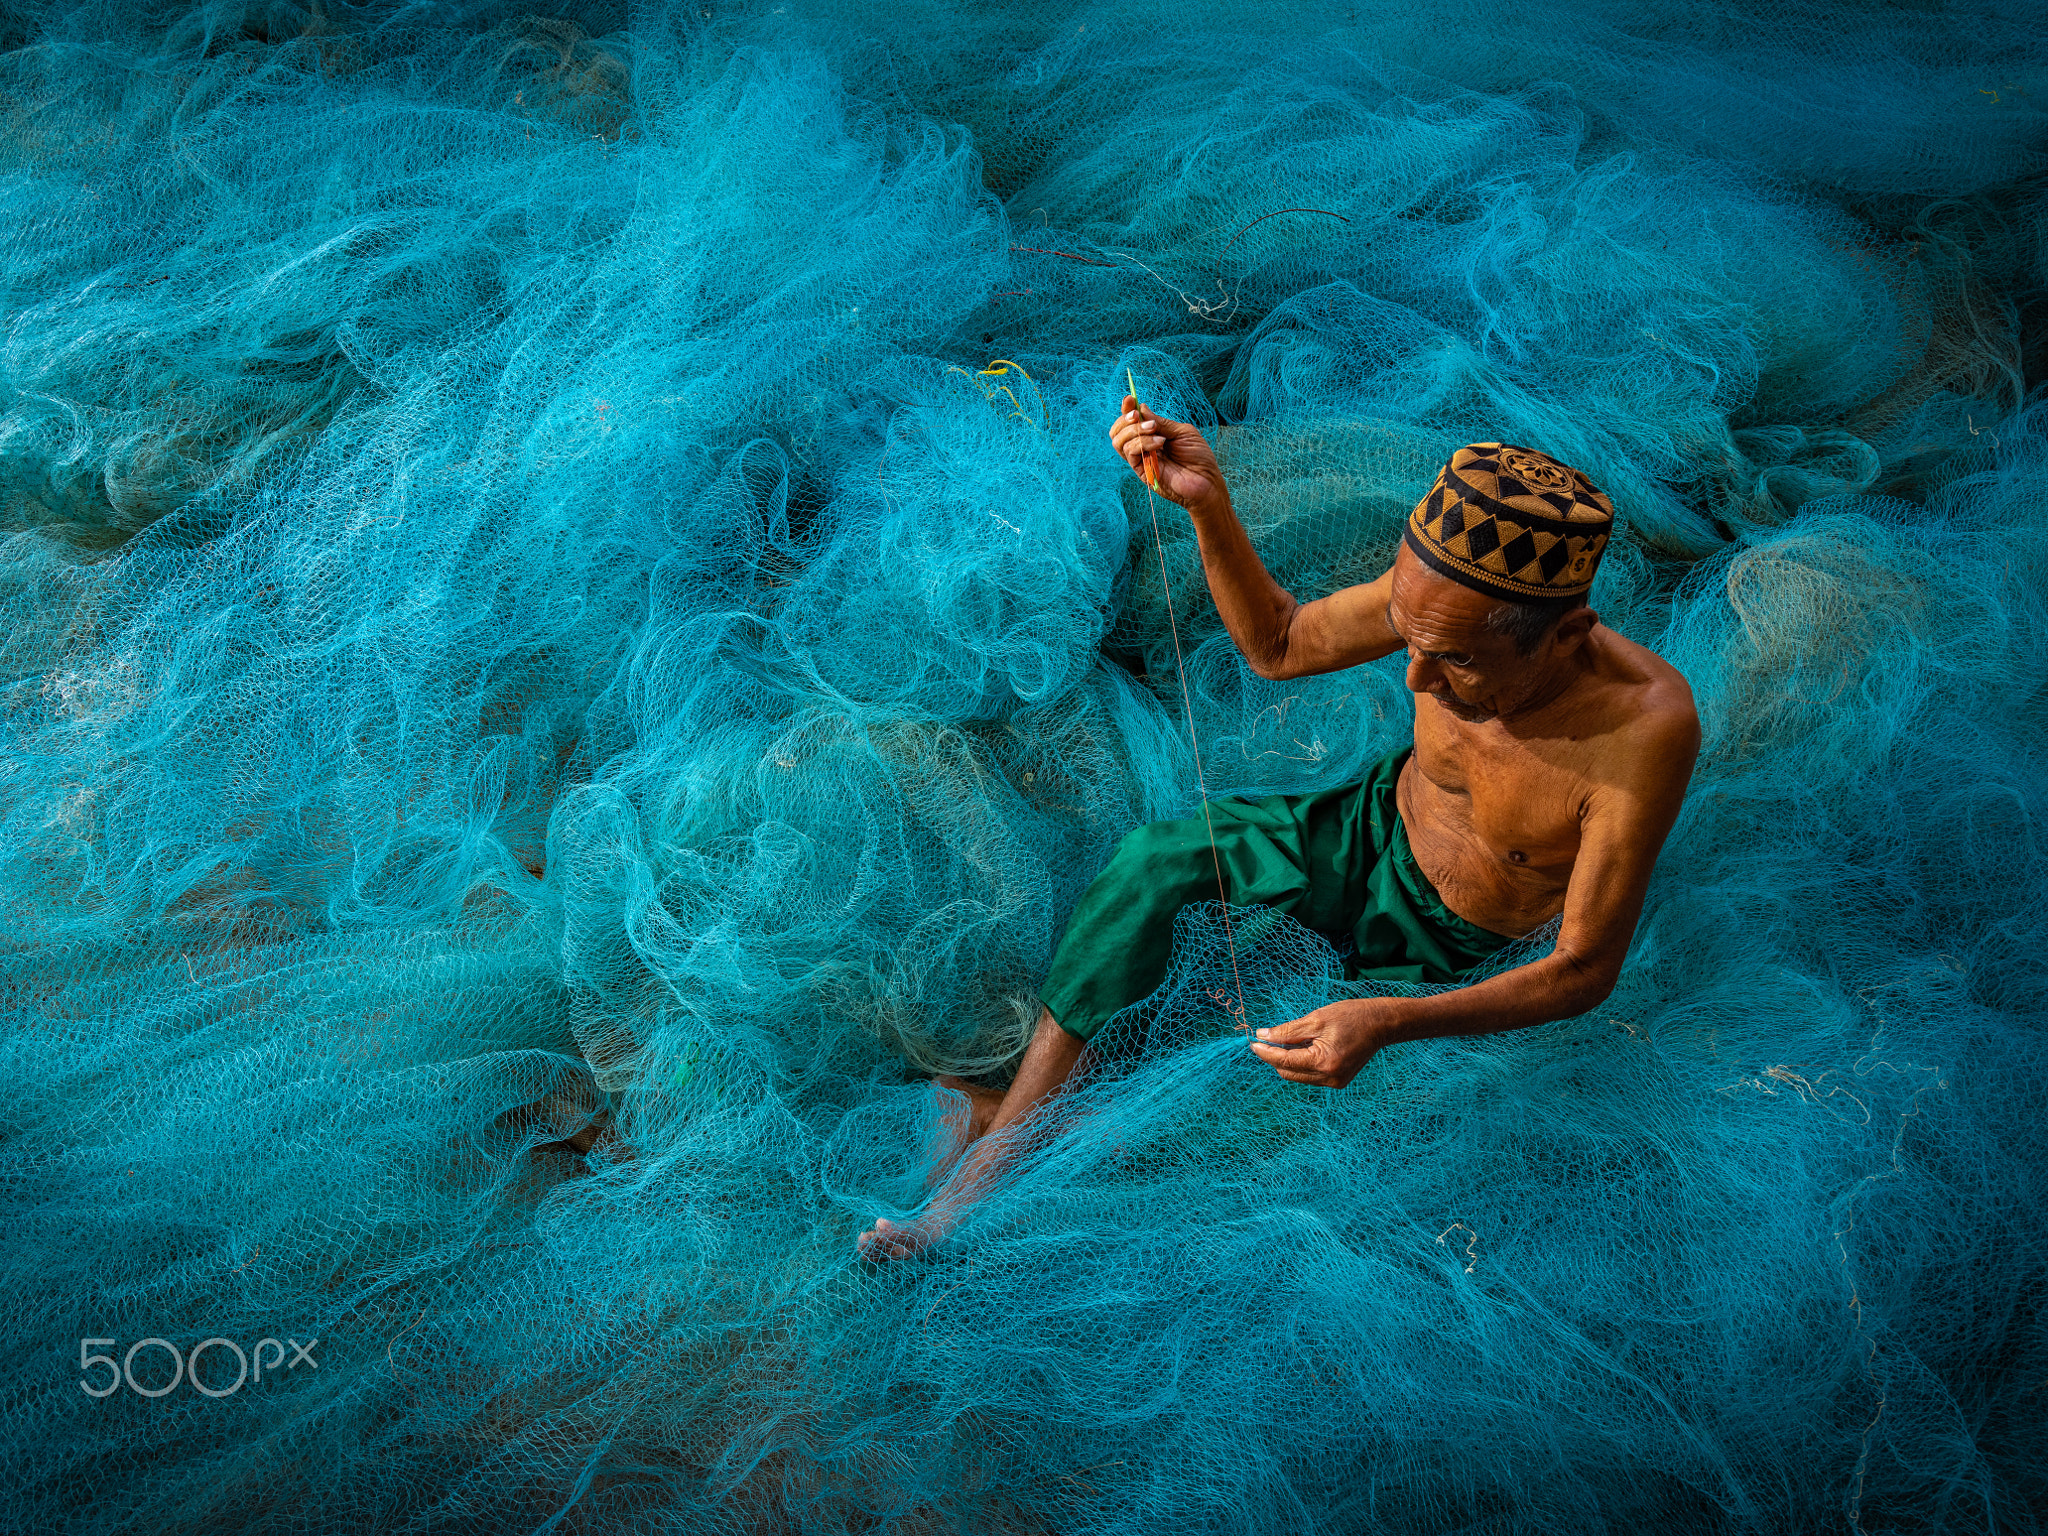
(1512, 793)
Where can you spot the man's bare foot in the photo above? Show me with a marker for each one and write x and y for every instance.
(996, 1122)
(888, 1239)
(900, 1239)
(982, 1104)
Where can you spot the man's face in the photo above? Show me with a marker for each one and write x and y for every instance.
(1452, 656)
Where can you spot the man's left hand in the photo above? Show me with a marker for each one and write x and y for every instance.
(1331, 1046)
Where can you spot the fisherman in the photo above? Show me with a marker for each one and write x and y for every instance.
(1550, 759)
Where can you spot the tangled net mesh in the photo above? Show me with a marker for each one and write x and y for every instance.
(567, 558)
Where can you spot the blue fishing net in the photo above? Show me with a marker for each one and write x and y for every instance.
(563, 562)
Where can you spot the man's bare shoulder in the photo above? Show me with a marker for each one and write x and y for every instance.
(1646, 711)
(1653, 687)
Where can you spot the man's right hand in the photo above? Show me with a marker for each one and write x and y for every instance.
(1188, 473)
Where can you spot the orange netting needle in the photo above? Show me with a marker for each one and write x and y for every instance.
(1151, 458)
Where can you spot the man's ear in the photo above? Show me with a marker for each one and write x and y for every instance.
(1572, 630)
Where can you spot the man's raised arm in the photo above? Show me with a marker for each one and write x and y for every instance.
(1280, 638)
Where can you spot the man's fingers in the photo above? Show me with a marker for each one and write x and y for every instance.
(1297, 1066)
(1133, 451)
(1138, 433)
(1135, 416)
(1296, 1058)
(1295, 1031)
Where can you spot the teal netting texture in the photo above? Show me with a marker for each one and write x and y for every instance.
(561, 561)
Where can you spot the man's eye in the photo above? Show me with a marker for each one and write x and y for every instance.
(1461, 659)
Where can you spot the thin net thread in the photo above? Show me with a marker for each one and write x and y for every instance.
(1188, 707)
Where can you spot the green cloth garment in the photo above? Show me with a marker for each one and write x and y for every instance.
(1337, 862)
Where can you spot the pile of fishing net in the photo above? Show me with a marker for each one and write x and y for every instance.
(563, 562)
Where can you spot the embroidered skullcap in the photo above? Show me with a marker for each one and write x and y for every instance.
(1512, 523)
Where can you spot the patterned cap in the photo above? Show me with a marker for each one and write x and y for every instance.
(1513, 523)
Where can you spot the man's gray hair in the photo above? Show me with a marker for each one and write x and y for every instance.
(1527, 623)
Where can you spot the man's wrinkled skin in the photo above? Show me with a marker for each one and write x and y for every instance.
(1539, 784)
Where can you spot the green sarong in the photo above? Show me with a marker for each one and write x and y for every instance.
(1336, 862)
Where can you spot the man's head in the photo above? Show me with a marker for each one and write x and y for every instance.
(1490, 583)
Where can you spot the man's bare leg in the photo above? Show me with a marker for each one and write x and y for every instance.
(1048, 1062)
(983, 1104)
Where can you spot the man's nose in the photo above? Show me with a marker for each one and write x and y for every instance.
(1421, 672)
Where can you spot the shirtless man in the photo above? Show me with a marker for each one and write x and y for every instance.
(1550, 759)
